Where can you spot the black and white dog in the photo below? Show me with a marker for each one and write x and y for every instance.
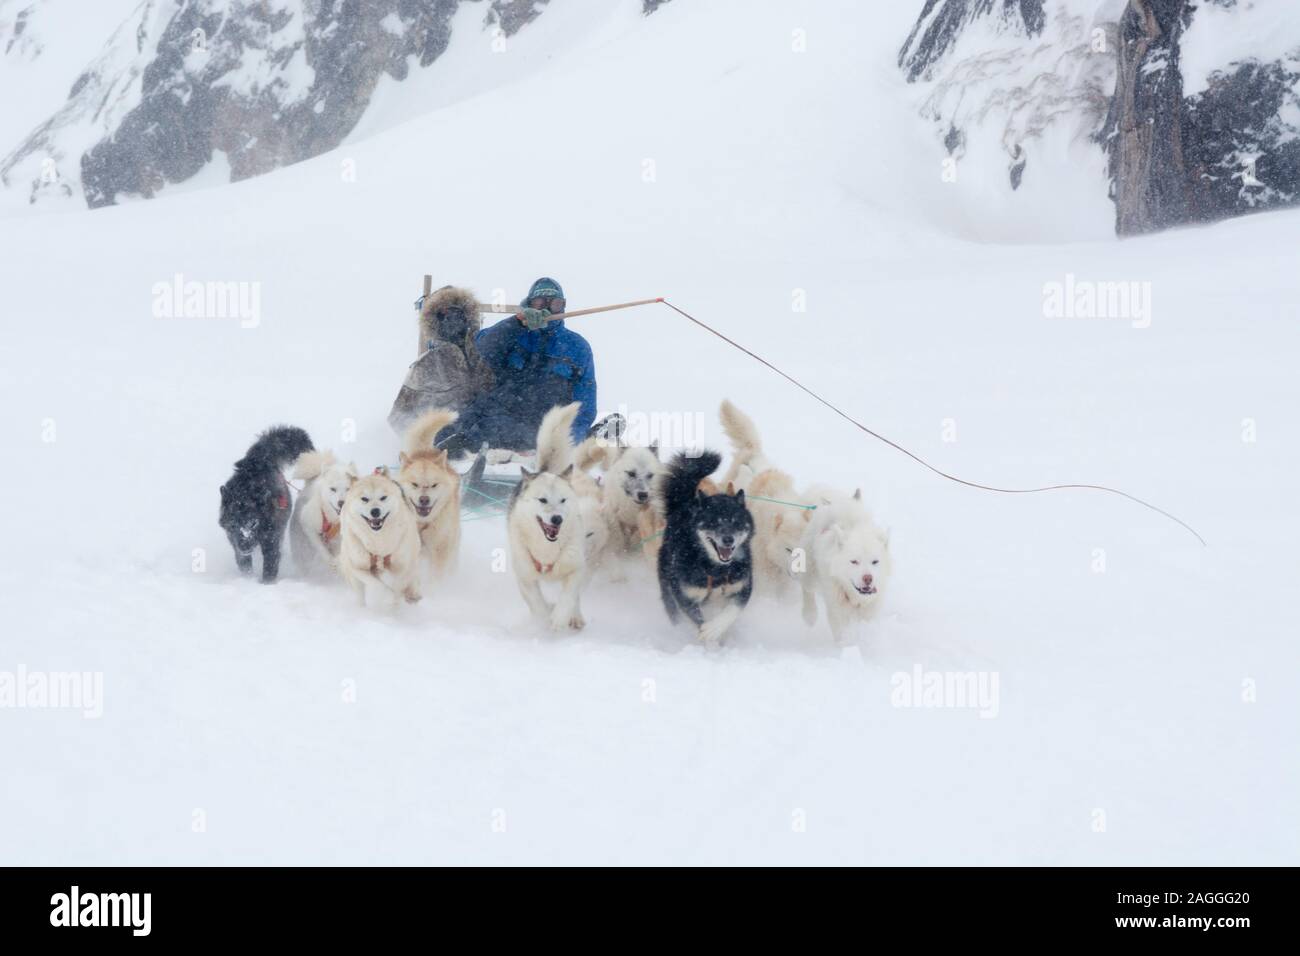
(255, 501)
(705, 567)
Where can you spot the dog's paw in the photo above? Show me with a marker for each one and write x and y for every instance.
(711, 632)
(412, 596)
(562, 619)
(809, 609)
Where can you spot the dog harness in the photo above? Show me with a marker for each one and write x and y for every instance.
(374, 563)
(537, 565)
(282, 499)
(710, 582)
(328, 532)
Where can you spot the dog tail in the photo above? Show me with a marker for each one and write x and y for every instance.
(746, 446)
(278, 446)
(683, 478)
(594, 451)
(420, 436)
(554, 438)
(312, 464)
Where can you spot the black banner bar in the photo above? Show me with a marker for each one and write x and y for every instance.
(333, 906)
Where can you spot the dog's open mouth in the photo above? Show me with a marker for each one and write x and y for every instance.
(424, 510)
(376, 523)
(549, 531)
(723, 552)
(865, 588)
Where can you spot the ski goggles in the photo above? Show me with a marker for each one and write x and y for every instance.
(554, 304)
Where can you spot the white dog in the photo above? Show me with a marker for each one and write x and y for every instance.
(780, 513)
(548, 524)
(314, 531)
(627, 488)
(848, 562)
(380, 552)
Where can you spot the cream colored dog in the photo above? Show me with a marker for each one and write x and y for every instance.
(780, 513)
(629, 476)
(380, 552)
(848, 562)
(314, 533)
(547, 526)
(432, 488)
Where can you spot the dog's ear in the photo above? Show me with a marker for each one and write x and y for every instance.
(440, 456)
(566, 473)
(654, 448)
(527, 475)
(352, 471)
(857, 494)
(731, 487)
(402, 459)
(740, 495)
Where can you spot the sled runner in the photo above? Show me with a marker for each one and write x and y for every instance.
(489, 481)
(492, 475)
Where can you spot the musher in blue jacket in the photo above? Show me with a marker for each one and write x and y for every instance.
(538, 364)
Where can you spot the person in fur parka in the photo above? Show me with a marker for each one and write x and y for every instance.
(450, 372)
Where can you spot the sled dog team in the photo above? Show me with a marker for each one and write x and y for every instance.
(710, 541)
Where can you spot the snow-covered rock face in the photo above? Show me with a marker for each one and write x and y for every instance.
(1195, 104)
(1016, 92)
(265, 82)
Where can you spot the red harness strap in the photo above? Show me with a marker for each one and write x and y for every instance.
(538, 566)
(328, 532)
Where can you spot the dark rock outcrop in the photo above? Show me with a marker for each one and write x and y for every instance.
(942, 21)
(1144, 131)
(266, 84)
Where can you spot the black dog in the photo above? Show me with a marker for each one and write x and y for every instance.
(255, 501)
(705, 558)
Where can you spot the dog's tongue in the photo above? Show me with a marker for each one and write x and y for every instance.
(725, 553)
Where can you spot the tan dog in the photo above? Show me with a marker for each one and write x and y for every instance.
(380, 551)
(432, 488)
(546, 527)
(779, 511)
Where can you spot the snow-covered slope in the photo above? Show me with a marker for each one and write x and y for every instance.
(1146, 684)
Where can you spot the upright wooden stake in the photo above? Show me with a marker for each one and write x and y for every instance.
(419, 345)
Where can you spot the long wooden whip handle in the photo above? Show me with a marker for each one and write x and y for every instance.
(515, 309)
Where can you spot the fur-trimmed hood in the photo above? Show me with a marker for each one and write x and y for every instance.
(440, 299)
